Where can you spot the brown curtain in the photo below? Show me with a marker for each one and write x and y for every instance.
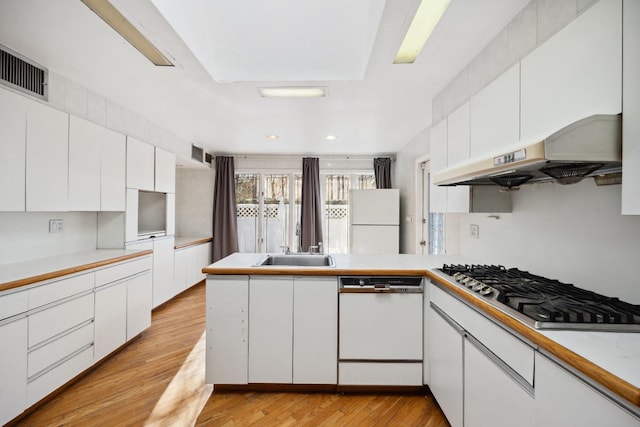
(225, 219)
(311, 212)
(382, 169)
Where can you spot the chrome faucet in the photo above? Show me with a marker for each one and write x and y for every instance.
(314, 249)
(285, 249)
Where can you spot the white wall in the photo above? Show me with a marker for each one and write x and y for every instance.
(25, 235)
(194, 202)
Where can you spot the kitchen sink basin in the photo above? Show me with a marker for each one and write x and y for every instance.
(296, 260)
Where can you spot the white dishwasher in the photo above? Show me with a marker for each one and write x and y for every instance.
(380, 331)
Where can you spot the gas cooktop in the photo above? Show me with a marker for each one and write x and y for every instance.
(545, 303)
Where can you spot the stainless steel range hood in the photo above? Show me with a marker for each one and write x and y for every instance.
(588, 147)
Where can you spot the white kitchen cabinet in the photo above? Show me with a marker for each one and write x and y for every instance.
(170, 214)
(165, 171)
(445, 349)
(113, 161)
(110, 318)
(227, 331)
(564, 400)
(630, 108)
(438, 161)
(574, 74)
(13, 124)
(47, 159)
(270, 329)
(509, 402)
(84, 165)
(180, 262)
(140, 165)
(495, 114)
(204, 258)
(13, 369)
(131, 216)
(315, 330)
(457, 151)
(163, 285)
(139, 303)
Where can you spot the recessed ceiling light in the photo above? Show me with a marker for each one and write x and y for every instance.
(424, 22)
(273, 136)
(293, 92)
(330, 137)
(122, 26)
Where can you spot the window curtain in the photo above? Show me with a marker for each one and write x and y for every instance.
(382, 169)
(225, 219)
(311, 212)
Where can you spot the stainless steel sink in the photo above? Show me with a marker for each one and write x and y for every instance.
(296, 260)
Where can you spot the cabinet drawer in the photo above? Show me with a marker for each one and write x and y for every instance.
(48, 382)
(52, 321)
(53, 352)
(122, 270)
(60, 289)
(387, 374)
(12, 304)
(514, 352)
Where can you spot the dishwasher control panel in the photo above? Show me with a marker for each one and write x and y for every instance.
(374, 284)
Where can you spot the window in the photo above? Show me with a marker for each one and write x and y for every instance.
(267, 220)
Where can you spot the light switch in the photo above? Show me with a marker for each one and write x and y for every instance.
(55, 225)
(475, 231)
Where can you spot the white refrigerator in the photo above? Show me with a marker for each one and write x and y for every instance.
(374, 221)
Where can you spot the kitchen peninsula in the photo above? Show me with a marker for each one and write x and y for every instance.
(249, 307)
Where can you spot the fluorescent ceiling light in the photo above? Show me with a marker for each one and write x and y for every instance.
(424, 22)
(122, 26)
(293, 92)
(272, 136)
(330, 137)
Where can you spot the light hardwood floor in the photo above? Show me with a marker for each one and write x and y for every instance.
(158, 380)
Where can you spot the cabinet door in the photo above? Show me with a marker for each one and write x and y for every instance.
(84, 165)
(139, 301)
(204, 259)
(315, 330)
(170, 224)
(13, 369)
(438, 195)
(227, 330)
(110, 319)
(445, 349)
(458, 151)
(13, 124)
(131, 216)
(140, 165)
(163, 287)
(165, 171)
(516, 405)
(47, 159)
(574, 74)
(180, 268)
(113, 160)
(271, 330)
(564, 400)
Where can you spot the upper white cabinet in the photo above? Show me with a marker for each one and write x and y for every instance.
(47, 157)
(457, 151)
(575, 74)
(495, 114)
(113, 161)
(165, 171)
(13, 123)
(150, 168)
(140, 165)
(84, 165)
(438, 138)
(631, 109)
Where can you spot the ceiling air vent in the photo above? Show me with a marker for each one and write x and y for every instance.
(22, 74)
(207, 158)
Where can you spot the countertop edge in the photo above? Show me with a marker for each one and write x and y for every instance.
(612, 382)
(70, 270)
(197, 241)
(313, 271)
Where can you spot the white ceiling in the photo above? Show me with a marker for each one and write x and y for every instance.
(373, 105)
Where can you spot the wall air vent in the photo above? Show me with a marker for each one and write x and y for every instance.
(22, 74)
(197, 153)
(207, 158)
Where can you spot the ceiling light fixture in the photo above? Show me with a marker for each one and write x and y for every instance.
(273, 136)
(293, 92)
(424, 22)
(122, 26)
(330, 137)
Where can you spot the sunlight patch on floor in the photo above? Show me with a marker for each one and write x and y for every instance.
(183, 399)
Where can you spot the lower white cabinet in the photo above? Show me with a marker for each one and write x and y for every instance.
(110, 319)
(227, 331)
(562, 399)
(163, 287)
(188, 264)
(13, 369)
(271, 329)
(139, 302)
(445, 347)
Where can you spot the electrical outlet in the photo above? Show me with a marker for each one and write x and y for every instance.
(475, 231)
(55, 225)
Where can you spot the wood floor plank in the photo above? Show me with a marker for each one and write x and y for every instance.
(158, 380)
